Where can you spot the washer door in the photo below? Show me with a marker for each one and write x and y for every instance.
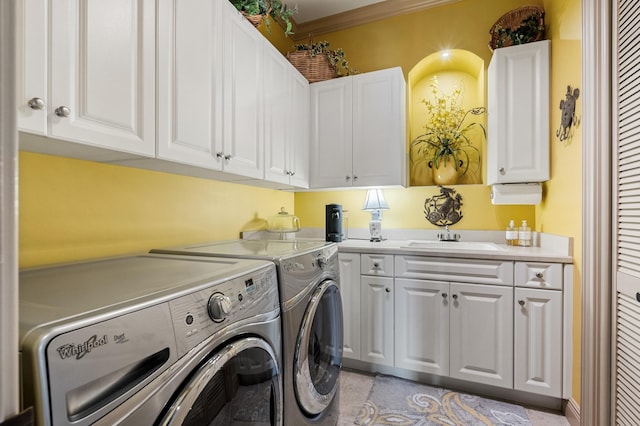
(318, 352)
(240, 383)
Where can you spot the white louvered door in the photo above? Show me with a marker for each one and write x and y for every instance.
(626, 377)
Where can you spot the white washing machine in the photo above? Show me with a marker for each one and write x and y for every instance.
(312, 327)
(152, 340)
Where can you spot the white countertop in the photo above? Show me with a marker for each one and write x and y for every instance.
(502, 251)
(547, 247)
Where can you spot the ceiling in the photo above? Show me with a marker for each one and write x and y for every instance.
(322, 16)
(310, 10)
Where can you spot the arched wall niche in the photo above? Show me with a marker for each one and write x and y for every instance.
(454, 68)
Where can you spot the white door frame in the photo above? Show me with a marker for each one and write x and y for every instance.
(595, 399)
(9, 383)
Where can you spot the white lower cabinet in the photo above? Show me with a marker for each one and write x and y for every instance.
(376, 320)
(504, 327)
(481, 333)
(538, 341)
(422, 325)
(453, 329)
(350, 294)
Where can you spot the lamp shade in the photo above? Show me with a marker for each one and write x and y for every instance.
(375, 200)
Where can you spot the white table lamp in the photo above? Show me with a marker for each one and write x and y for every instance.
(375, 203)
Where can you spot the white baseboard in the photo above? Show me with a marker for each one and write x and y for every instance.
(572, 412)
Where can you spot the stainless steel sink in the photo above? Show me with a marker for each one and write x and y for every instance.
(453, 245)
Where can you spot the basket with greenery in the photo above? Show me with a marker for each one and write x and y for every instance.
(318, 62)
(258, 10)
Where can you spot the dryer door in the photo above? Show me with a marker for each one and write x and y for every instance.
(240, 383)
(318, 353)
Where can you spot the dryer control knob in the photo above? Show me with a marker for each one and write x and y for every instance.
(219, 307)
(321, 261)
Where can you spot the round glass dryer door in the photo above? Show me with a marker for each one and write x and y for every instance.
(241, 383)
(318, 355)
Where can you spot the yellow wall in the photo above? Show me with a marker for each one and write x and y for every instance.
(72, 210)
(560, 211)
(406, 208)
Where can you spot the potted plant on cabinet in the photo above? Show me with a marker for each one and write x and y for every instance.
(258, 10)
(446, 146)
(318, 62)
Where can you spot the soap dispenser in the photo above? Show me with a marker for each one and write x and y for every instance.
(512, 234)
(524, 235)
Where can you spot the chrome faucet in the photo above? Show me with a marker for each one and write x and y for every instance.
(448, 236)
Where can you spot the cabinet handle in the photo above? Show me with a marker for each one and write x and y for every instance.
(219, 154)
(292, 173)
(521, 302)
(376, 264)
(227, 157)
(444, 295)
(539, 275)
(501, 170)
(36, 104)
(347, 178)
(355, 178)
(63, 111)
(388, 290)
(455, 297)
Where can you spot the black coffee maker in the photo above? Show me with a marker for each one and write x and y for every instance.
(333, 222)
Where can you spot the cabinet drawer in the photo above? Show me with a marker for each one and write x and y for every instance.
(376, 264)
(539, 275)
(462, 270)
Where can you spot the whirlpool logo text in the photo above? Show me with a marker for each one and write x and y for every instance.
(69, 350)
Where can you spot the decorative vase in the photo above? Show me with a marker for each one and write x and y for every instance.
(445, 173)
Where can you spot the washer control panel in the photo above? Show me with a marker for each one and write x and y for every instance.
(203, 313)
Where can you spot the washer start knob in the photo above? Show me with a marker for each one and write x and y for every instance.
(218, 307)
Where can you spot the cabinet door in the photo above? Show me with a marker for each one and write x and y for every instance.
(481, 346)
(518, 114)
(103, 67)
(277, 106)
(298, 126)
(376, 320)
(538, 341)
(350, 292)
(422, 326)
(331, 133)
(243, 83)
(31, 71)
(190, 82)
(379, 140)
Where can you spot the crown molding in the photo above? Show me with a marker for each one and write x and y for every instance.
(362, 15)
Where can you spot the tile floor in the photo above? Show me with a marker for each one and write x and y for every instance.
(355, 387)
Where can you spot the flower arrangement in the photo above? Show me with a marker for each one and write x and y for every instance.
(446, 137)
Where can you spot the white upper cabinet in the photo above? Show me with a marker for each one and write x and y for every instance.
(243, 147)
(92, 67)
(518, 114)
(32, 78)
(210, 111)
(190, 82)
(331, 133)
(358, 130)
(379, 128)
(286, 121)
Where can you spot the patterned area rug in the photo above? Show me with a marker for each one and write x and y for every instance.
(394, 401)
